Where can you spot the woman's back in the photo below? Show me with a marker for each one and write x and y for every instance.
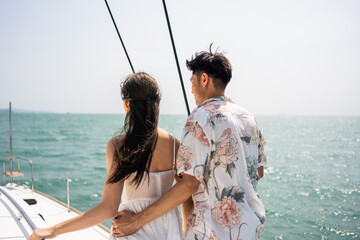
(151, 188)
(163, 157)
(161, 175)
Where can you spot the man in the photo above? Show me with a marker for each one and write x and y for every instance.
(219, 161)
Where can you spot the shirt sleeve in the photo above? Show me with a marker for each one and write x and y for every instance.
(193, 151)
(262, 150)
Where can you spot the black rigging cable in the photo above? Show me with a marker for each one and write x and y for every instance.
(176, 58)
(122, 43)
(173, 46)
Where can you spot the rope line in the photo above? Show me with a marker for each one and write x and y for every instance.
(117, 30)
(176, 57)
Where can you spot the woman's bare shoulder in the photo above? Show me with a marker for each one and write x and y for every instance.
(165, 136)
(115, 141)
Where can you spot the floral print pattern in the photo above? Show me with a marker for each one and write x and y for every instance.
(183, 159)
(227, 149)
(222, 146)
(213, 236)
(215, 108)
(199, 215)
(262, 150)
(227, 213)
(198, 132)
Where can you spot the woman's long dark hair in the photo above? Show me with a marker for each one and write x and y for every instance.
(134, 154)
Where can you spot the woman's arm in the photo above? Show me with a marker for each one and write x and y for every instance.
(127, 222)
(106, 209)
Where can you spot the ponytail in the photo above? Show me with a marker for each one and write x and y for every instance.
(135, 153)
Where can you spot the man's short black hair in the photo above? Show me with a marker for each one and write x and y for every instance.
(216, 65)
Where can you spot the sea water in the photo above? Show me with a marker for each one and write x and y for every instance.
(310, 189)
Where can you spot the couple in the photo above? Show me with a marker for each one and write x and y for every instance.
(219, 161)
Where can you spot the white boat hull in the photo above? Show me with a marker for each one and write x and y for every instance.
(15, 227)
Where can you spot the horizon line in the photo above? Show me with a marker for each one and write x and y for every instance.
(22, 111)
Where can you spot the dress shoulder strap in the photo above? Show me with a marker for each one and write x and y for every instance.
(174, 157)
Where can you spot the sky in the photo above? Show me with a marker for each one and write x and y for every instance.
(288, 57)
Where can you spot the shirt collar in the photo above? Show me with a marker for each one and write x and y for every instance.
(218, 98)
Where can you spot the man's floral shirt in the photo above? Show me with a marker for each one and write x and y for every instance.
(223, 147)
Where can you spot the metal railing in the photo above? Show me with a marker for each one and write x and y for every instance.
(18, 173)
(68, 191)
(21, 210)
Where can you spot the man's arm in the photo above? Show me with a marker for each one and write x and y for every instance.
(187, 208)
(260, 172)
(127, 223)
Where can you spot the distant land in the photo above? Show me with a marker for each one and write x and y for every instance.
(16, 110)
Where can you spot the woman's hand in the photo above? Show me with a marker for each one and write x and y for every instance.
(125, 223)
(42, 233)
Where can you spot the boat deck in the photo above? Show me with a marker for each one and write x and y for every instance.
(51, 210)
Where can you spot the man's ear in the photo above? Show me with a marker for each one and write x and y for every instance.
(205, 79)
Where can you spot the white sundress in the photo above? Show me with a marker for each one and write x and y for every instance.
(135, 199)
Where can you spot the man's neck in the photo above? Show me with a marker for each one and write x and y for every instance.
(215, 94)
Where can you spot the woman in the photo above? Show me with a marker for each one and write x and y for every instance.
(140, 167)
